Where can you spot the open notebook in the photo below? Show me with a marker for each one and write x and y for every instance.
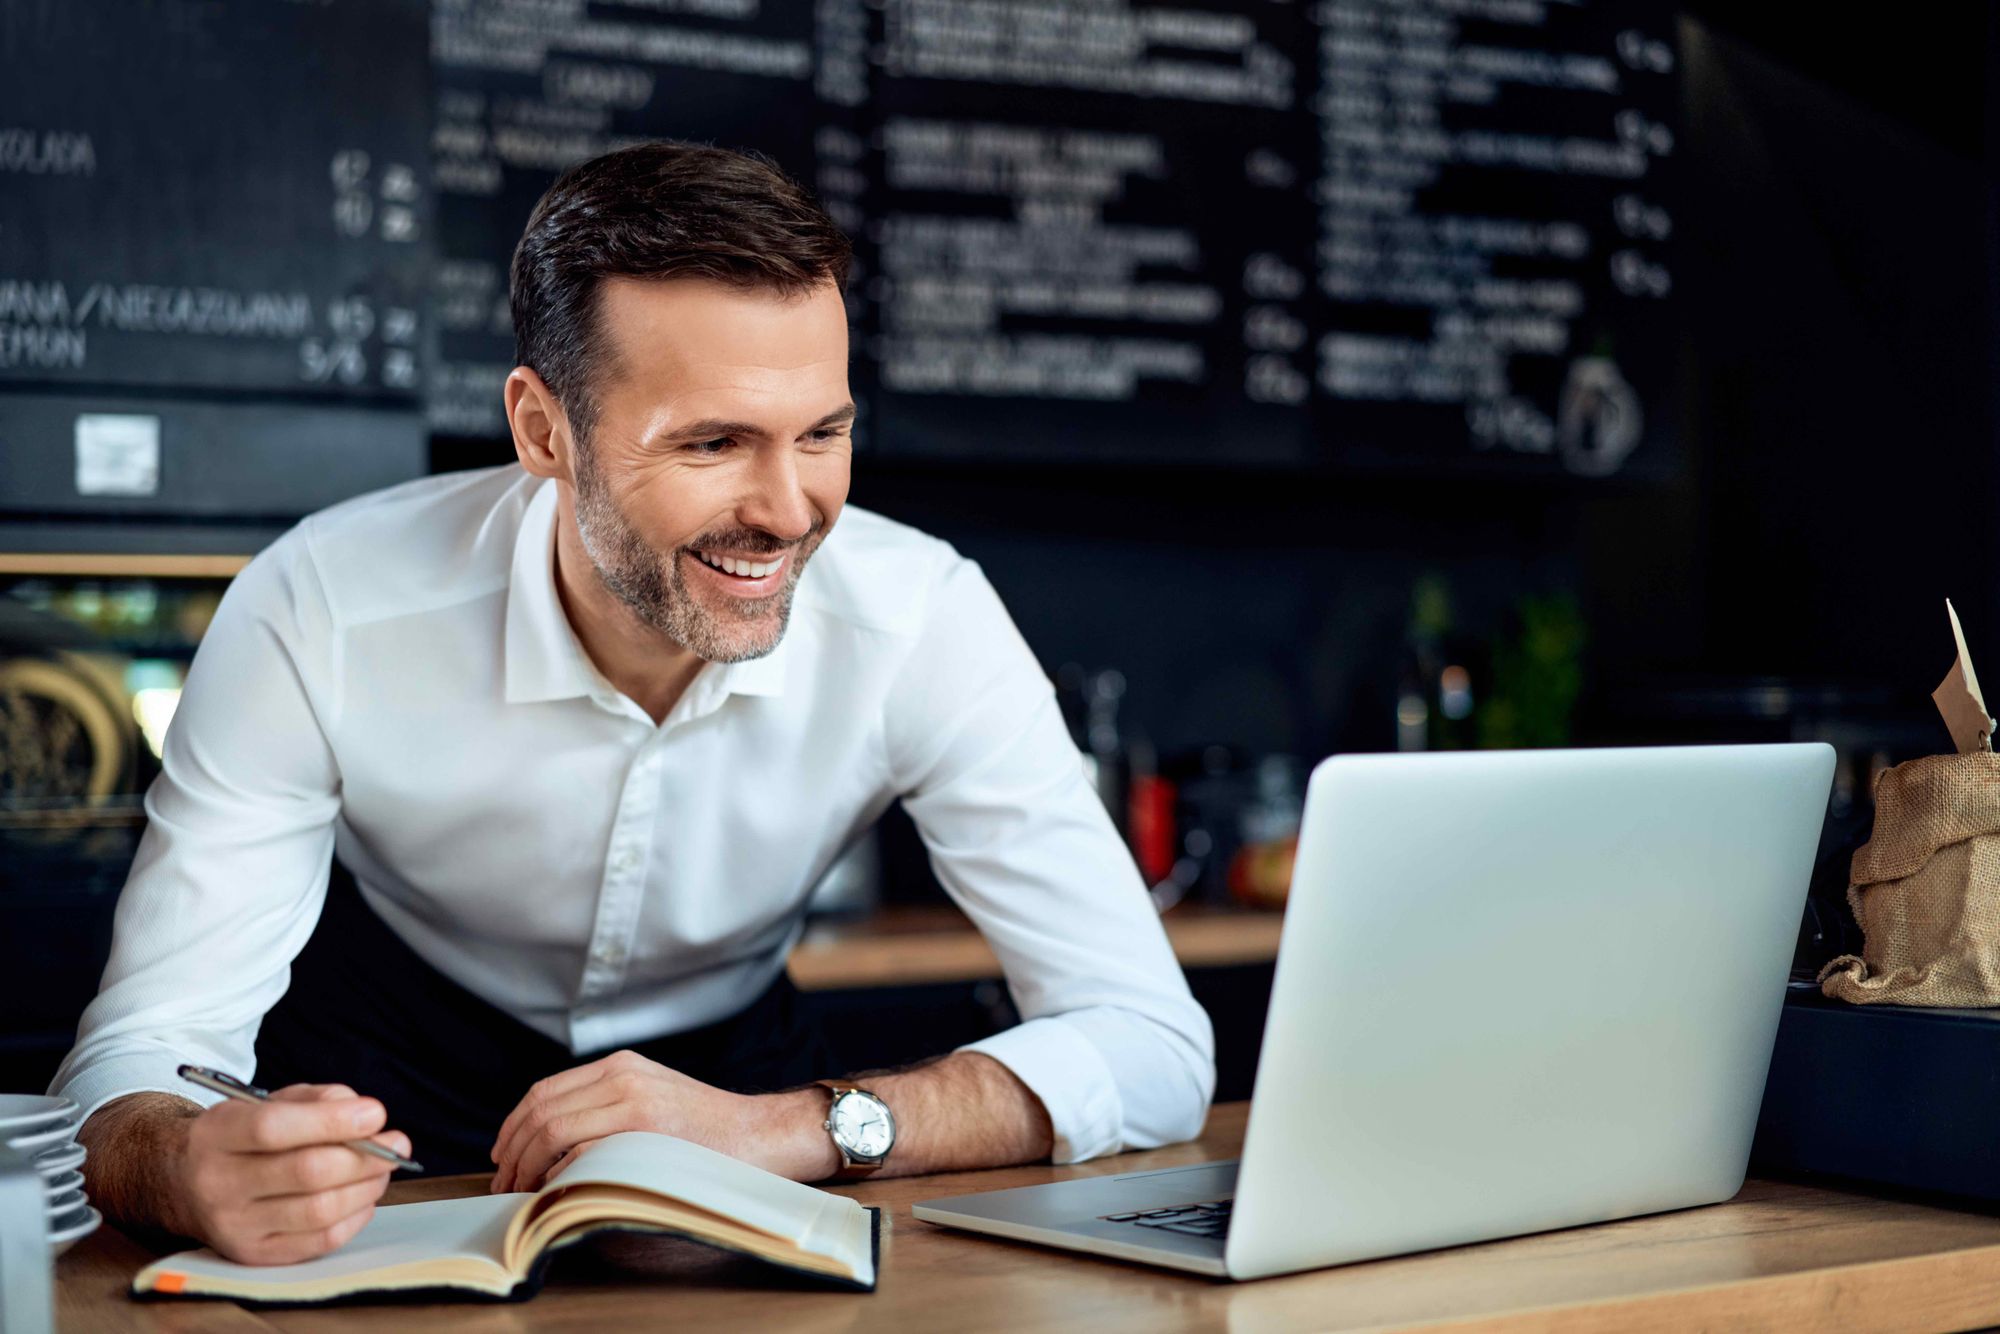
(497, 1244)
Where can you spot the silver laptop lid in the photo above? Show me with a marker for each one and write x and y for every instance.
(1522, 990)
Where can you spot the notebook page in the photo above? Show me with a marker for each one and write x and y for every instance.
(715, 1181)
(398, 1234)
(845, 1234)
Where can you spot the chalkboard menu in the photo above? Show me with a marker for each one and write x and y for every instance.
(215, 196)
(210, 211)
(1492, 232)
(1425, 235)
(1093, 230)
(1429, 235)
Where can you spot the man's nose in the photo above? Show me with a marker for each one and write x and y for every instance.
(774, 501)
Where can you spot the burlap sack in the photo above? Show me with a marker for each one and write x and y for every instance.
(1926, 888)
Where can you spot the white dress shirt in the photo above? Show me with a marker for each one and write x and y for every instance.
(395, 681)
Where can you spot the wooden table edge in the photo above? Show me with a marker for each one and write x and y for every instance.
(1873, 1295)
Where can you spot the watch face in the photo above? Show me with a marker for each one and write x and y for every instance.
(862, 1126)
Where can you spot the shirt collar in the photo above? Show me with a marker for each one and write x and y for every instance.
(545, 661)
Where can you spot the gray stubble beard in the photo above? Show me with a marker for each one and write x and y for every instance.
(653, 586)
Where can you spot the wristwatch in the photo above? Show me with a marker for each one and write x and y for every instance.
(863, 1129)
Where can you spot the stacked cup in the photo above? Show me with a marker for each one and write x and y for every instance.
(43, 1130)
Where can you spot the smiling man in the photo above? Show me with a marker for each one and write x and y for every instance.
(497, 797)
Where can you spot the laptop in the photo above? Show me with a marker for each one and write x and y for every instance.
(1515, 991)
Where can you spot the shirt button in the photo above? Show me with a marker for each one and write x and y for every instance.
(624, 861)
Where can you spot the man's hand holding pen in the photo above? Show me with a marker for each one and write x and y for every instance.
(275, 1183)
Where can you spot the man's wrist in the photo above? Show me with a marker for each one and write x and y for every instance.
(795, 1133)
(137, 1145)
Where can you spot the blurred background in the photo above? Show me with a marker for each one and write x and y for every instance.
(1308, 377)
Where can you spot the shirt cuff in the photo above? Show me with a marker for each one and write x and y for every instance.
(1065, 1070)
(116, 1076)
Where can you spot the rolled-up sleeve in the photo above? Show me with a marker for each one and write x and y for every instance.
(232, 869)
(1111, 1040)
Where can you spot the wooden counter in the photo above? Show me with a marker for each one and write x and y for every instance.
(911, 946)
(1778, 1256)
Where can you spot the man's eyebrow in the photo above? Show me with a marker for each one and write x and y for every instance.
(710, 427)
(840, 416)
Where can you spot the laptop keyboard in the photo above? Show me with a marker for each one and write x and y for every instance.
(1192, 1220)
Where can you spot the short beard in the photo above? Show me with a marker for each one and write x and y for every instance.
(652, 586)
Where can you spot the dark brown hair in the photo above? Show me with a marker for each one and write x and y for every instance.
(663, 209)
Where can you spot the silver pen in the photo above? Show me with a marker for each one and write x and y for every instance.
(229, 1086)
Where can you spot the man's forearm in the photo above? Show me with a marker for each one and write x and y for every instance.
(965, 1110)
(135, 1144)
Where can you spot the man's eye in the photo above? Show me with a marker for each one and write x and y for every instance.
(710, 446)
(826, 435)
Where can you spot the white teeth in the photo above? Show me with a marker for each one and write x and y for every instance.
(743, 569)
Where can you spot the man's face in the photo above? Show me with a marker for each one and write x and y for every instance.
(719, 458)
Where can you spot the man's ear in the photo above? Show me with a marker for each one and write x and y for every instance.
(542, 439)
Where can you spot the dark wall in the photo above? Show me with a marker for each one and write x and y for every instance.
(1263, 612)
(1841, 331)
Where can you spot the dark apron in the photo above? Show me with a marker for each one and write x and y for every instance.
(365, 1010)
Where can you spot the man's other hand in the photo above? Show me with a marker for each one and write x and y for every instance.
(274, 1183)
(780, 1132)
